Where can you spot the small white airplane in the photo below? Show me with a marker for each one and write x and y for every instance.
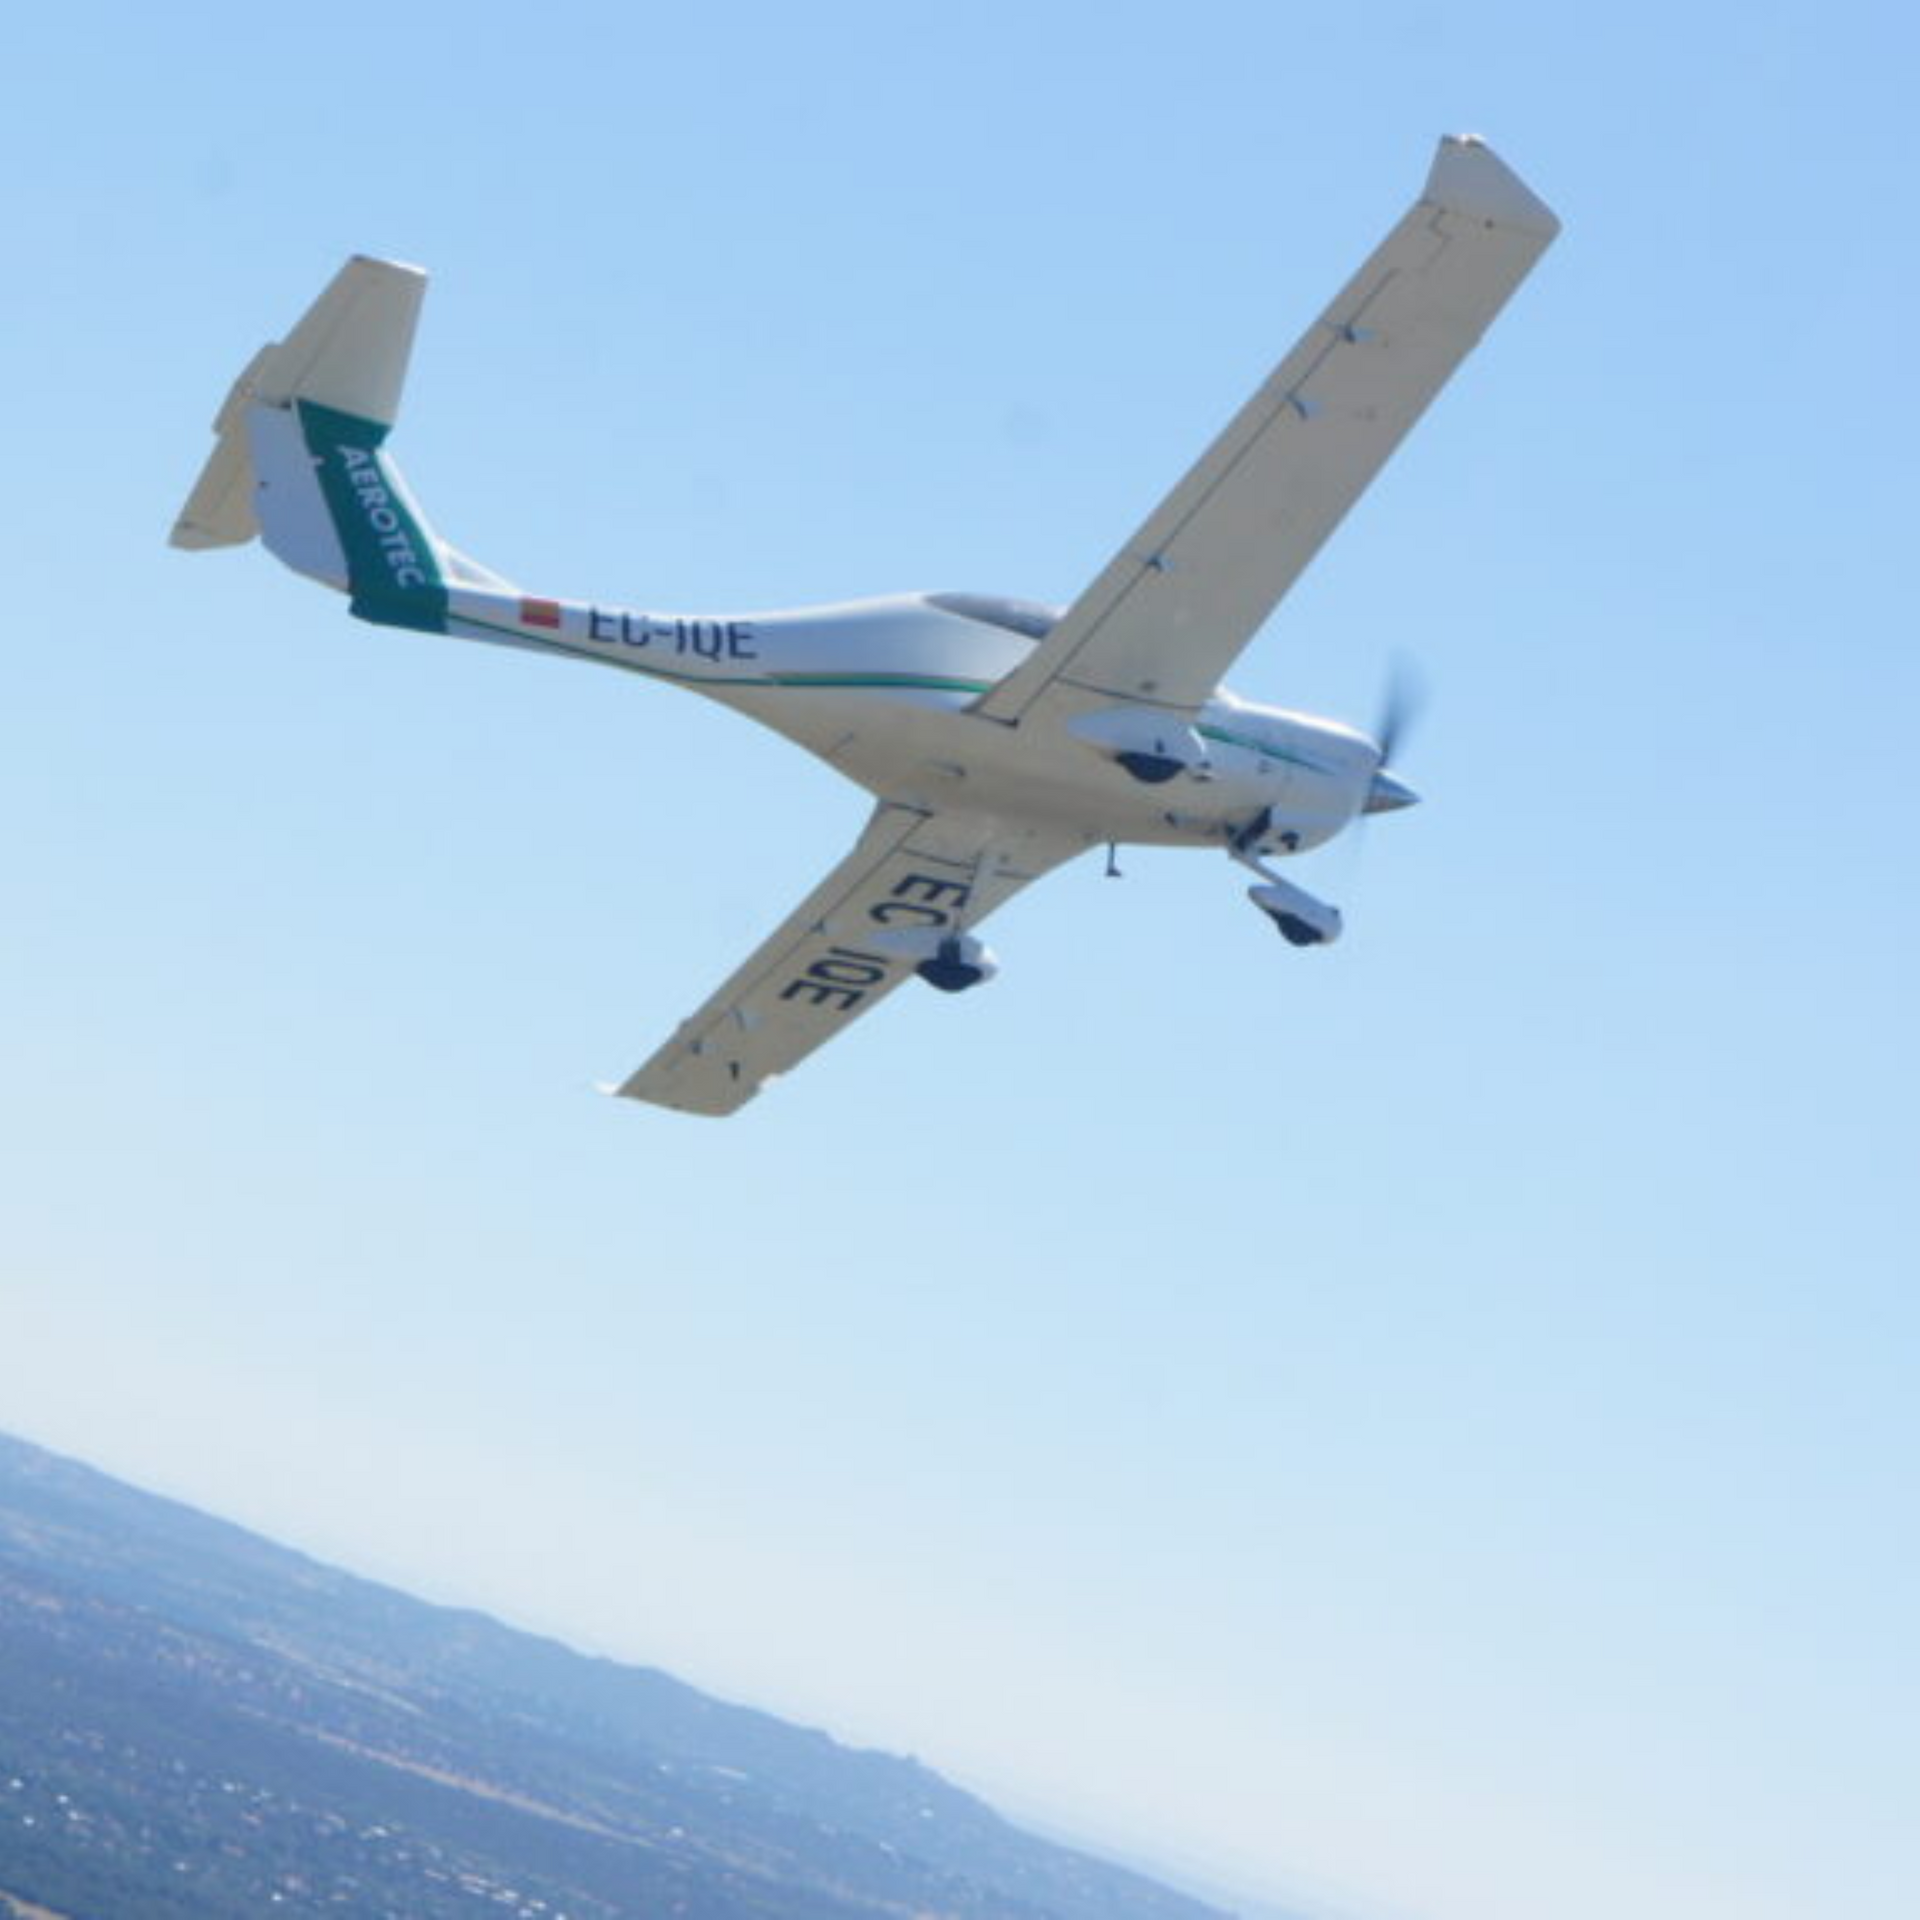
(998, 738)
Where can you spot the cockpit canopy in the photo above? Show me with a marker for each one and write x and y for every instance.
(996, 610)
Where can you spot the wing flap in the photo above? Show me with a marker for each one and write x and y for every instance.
(827, 965)
(1170, 613)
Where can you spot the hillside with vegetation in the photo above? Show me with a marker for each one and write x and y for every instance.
(196, 1723)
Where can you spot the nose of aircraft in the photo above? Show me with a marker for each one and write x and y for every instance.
(1388, 794)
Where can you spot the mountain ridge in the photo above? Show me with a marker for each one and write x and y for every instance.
(202, 1722)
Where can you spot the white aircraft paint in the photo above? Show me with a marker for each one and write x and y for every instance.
(997, 738)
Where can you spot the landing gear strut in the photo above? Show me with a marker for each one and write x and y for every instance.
(1302, 920)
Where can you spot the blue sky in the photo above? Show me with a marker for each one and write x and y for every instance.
(1423, 1431)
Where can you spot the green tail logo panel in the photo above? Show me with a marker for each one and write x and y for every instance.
(393, 570)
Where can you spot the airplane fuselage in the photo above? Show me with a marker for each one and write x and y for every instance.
(883, 691)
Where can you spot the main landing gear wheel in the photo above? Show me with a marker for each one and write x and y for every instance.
(1295, 931)
(951, 969)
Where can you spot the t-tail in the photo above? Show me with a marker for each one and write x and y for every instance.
(300, 461)
(299, 457)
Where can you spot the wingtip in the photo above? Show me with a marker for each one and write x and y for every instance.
(379, 263)
(1469, 177)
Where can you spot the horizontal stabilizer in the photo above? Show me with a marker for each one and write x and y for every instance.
(219, 511)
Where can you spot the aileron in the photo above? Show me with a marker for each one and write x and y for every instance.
(911, 879)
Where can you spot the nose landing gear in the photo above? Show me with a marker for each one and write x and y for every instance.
(1302, 920)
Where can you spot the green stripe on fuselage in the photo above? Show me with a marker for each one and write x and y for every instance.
(1263, 747)
(797, 682)
(544, 643)
(393, 572)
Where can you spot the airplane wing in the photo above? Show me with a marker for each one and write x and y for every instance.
(1176, 605)
(910, 873)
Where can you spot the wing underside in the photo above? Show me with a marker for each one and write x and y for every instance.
(1171, 612)
(843, 950)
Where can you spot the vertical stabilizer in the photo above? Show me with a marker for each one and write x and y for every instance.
(351, 347)
(349, 351)
(299, 455)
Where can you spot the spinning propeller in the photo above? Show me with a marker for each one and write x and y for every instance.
(1401, 705)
